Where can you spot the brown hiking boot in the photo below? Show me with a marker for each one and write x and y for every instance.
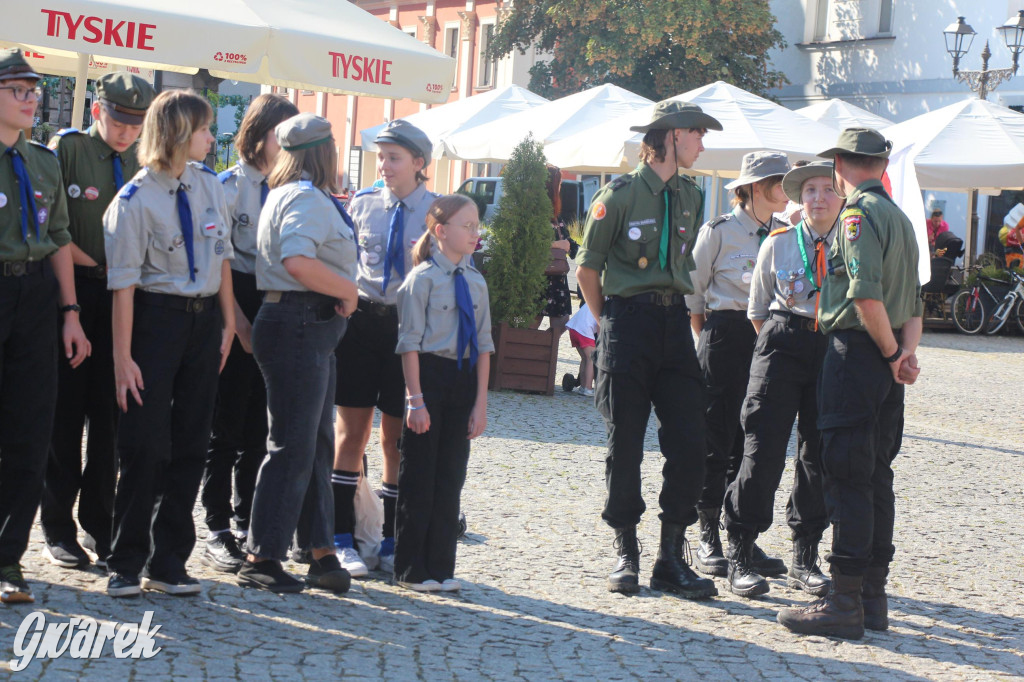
(876, 603)
(839, 614)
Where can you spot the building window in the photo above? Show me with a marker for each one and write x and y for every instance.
(821, 20)
(451, 48)
(485, 70)
(411, 30)
(355, 168)
(885, 17)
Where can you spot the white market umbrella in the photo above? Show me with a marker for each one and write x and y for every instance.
(840, 115)
(600, 148)
(447, 119)
(494, 142)
(61, 63)
(332, 47)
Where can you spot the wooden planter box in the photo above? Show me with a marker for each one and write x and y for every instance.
(524, 360)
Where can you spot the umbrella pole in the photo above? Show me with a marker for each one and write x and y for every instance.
(81, 85)
(972, 226)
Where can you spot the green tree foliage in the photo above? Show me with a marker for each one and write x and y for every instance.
(519, 241)
(655, 49)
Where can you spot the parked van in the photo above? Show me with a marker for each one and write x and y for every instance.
(576, 196)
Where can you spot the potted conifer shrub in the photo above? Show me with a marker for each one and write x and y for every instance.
(519, 249)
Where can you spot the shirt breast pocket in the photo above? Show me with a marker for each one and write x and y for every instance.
(167, 252)
(641, 244)
(371, 249)
(211, 226)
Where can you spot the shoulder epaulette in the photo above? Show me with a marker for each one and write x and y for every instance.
(128, 191)
(206, 168)
(305, 185)
(367, 190)
(67, 131)
(43, 146)
(224, 176)
(719, 220)
(620, 182)
(780, 230)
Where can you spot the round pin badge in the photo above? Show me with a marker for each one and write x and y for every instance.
(3, 199)
(91, 193)
(178, 242)
(634, 233)
(377, 248)
(798, 286)
(243, 220)
(372, 258)
(781, 274)
(218, 248)
(642, 263)
(74, 191)
(790, 302)
(747, 276)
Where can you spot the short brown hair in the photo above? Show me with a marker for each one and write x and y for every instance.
(743, 193)
(264, 113)
(321, 162)
(653, 146)
(863, 162)
(170, 121)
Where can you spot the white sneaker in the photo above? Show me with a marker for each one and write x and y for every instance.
(350, 560)
(451, 585)
(586, 392)
(425, 586)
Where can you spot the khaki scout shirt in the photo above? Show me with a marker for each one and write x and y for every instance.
(874, 256)
(51, 208)
(243, 189)
(301, 220)
(144, 242)
(87, 167)
(781, 277)
(428, 317)
(623, 233)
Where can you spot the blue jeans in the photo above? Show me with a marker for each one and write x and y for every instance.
(293, 342)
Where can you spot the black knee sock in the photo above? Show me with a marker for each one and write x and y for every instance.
(390, 491)
(343, 483)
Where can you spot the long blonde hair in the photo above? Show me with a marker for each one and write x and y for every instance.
(440, 212)
(167, 130)
(321, 162)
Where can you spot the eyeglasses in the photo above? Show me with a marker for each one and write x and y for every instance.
(21, 93)
(474, 228)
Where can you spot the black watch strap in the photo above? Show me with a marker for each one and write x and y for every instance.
(72, 307)
(895, 356)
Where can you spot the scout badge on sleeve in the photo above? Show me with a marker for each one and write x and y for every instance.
(851, 224)
(599, 211)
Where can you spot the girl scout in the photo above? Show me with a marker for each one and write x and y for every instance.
(388, 221)
(167, 242)
(725, 254)
(783, 305)
(306, 265)
(239, 440)
(444, 339)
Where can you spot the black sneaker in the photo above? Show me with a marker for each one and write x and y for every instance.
(267, 575)
(327, 574)
(13, 588)
(66, 554)
(222, 553)
(121, 585)
(179, 585)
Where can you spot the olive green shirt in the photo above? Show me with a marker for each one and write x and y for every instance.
(51, 209)
(87, 168)
(622, 236)
(874, 256)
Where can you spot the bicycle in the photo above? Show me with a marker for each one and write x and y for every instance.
(970, 309)
(1012, 303)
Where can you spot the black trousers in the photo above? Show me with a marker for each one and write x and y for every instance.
(783, 388)
(239, 441)
(85, 396)
(645, 356)
(724, 349)
(432, 472)
(861, 419)
(162, 444)
(28, 392)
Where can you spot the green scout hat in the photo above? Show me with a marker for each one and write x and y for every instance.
(302, 131)
(125, 96)
(760, 165)
(13, 66)
(863, 141)
(793, 183)
(670, 114)
(409, 136)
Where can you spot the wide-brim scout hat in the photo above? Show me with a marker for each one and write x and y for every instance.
(760, 165)
(794, 180)
(670, 114)
(409, 136)
(303, 131)
(125, 97)
(14, 67)
(863, 141)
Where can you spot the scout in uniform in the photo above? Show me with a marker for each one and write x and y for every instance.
(239, 441)
(388, 221)
(637, 252)
(306, 265)
(94, 166)
(725, 255)
(36, 276)
(871, 311)
(784, 295)
(168, 243)
(444, 340)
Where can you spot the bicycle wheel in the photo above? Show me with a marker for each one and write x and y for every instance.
(969, 312)
(1000, 315)
(1019, 314)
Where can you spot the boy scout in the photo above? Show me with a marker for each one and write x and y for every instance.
(94, 165)
(871, 310)
(35, 273)
(636, 251)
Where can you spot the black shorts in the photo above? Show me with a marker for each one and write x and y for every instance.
(369, 370)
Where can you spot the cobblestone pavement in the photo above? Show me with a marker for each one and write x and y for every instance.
(534, 603)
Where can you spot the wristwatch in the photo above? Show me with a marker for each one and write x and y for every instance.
(895, 356)
(72, 307)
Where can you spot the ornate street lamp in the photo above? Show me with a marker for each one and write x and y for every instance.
(959, 37)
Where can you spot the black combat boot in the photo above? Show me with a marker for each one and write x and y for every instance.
(839, 614)
(743, 580)
(671, 573)
(625, 578)
(804, 573)
(710, 558)
(767, 566)
(876, 603)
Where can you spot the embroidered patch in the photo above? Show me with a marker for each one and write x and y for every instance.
(43, 215)
(218, 248)
(599, 211)
(851, 227)
(854, 266)
(682, 250)
(682, 230)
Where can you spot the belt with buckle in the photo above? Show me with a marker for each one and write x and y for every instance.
(378, 309)
(793, 321)
(187, 303)
(662, 299)
(303, 297)
(91, 271)
(20, 268)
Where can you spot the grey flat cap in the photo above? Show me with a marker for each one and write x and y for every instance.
(793, 183)
(760, 165)
(670, 114)
(409, 136)
(863, 141)
(302, 132)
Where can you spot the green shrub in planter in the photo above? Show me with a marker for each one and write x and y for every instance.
(519, 238)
